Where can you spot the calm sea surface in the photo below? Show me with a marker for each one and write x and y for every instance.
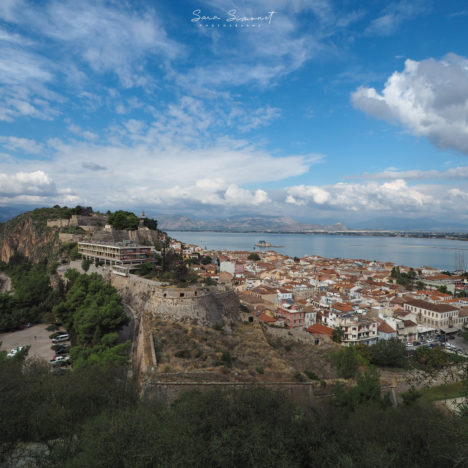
(440, 253)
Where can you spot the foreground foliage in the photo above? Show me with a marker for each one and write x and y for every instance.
(92, 417)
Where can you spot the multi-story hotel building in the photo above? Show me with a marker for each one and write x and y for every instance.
(119, 253)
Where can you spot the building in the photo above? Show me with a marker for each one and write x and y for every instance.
(119, 253)
(358, 330)
(386, 332)
(440, 316)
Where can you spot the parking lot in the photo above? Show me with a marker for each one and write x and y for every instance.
(37, 336)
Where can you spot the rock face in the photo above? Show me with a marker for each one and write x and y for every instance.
(208, 306)
(23, 236)
(140, 236)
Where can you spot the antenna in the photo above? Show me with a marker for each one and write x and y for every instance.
(460, 261)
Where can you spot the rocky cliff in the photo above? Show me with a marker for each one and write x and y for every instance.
(27, 236)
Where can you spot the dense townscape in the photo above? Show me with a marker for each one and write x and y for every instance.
(368, 300)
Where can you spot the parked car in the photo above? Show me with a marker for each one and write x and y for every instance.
(60, 338)
(60, 363)
(59, 357)
(451, 337)
(15, 351)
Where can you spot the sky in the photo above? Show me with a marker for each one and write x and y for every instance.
(315, 109)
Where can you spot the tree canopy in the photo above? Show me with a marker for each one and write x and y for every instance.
(123, 220)
(93, 313)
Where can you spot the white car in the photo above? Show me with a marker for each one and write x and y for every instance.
(15, 351)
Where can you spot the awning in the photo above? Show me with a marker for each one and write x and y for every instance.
(449, 330)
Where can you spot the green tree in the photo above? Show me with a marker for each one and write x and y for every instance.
(254, 257)
(206, 260)
(123, 220)
(86, 263)
(346, 362)
(389, 353)
(338, 334)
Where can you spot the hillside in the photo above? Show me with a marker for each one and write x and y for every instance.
(43, 233)
(28, 235)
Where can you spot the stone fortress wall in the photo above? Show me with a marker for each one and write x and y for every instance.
(204, 305)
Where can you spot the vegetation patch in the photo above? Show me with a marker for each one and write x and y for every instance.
(444, 392)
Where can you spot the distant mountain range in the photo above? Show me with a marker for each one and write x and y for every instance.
(287, 224)
(242, 224)
(256, 223)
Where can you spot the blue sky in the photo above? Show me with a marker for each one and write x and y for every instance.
(322, 109)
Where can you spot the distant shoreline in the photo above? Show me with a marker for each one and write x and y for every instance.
(418, 235)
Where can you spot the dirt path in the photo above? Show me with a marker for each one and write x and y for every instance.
(5, 283)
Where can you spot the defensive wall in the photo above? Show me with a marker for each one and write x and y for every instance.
(204, 305)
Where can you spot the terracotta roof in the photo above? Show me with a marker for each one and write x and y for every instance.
(319, 329)
(430, 306)
(266, 318)
(409, 323)
(385, 328)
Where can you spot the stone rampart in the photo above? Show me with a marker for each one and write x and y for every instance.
(301, 392)
(204, 305)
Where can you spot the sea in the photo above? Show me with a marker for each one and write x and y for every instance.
(445, 254)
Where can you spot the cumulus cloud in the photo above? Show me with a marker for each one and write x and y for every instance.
(429, 98)
(387, 197)
(35, 183)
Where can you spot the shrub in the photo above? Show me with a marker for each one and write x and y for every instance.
(388, 353)
(346, 362)
(183, 354)
(299, 376)
(311, 375)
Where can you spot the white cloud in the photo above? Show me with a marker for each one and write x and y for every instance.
(387, 197)
(429, 98)
(393, 15)
(109, 38)
(259, 118)
(25, 145)
(35, 183)
(460, 172)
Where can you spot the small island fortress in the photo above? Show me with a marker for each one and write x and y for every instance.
(263, 243)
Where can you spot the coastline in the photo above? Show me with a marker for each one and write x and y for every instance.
(408, 234)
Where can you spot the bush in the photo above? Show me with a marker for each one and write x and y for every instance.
(86, 263)
(389, 353)
(299, 376)
(346, 362)
(183, 354)
(227, 359)
(311, 375)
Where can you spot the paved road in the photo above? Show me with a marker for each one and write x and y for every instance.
(460, 343)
